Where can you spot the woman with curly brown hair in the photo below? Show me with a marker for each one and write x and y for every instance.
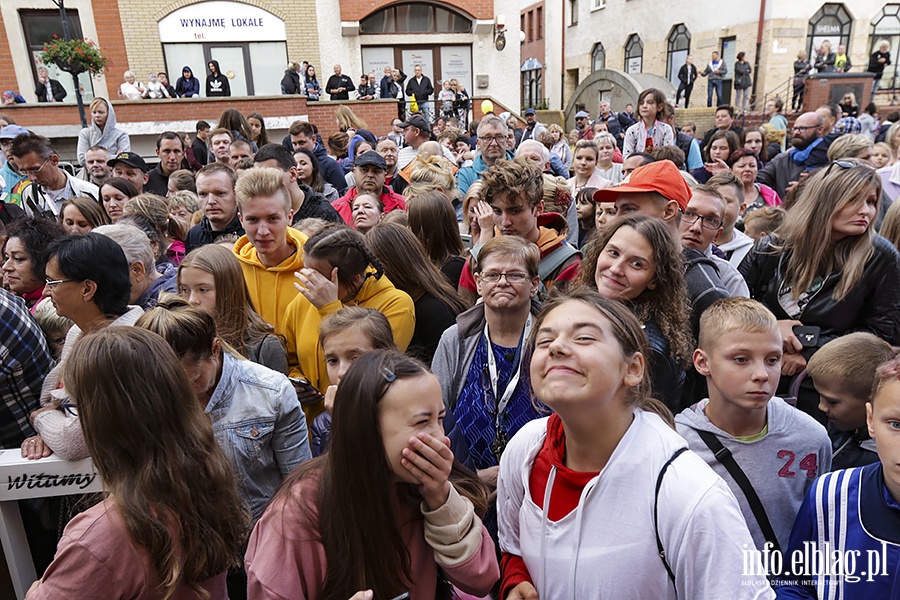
(637, 261)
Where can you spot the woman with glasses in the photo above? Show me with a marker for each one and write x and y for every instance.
(638, 262)
(481, 360)
(825, 272)
(24, 259)
(88, 282)
(745, 165)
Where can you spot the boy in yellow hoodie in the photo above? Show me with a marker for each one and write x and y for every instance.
(271, 251)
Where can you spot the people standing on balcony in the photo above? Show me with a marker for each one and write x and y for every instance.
(742, 81)
(420, 88)
(367, 90)
(877, 62)
(290, 83)
(155, 89)
(339, 86)
(187, 85)
(802, 67)
(313, 89)
(164, 80)
(102, 131)
(825, 58)
(131, 88)
(687, 75)
(841, 60)
(50, 90)
(715, 70)
(217, 85)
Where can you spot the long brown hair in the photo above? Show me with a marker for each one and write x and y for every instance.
(407, 265)
(667, 303)
(375, 556)
(807, 228)
(154, 448)
(433, 220)
(628, 333)
(237, 320)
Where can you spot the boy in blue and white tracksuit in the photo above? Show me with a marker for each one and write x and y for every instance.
(854, 513)
(851, 517)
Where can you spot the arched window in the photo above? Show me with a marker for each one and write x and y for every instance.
(886, 28)
(634, 54)
(415, 18)
(679, 48)
(832, 22)
(598, 57)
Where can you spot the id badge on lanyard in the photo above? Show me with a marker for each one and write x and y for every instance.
(500, 402)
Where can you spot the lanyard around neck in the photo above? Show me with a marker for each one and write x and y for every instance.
(503, 401)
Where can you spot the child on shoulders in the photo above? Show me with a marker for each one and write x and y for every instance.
(776, 449)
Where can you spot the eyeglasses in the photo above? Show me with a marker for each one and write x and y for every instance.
(52, 283)
(841, 163)
(513, 278)
(488, 139)
(795, 128)
(690, 217)
(35, 171)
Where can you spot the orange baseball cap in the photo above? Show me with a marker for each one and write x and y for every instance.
(661, 176)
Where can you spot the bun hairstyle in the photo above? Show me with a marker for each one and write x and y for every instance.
(344, 248)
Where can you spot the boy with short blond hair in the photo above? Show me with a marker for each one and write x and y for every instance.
(766, 450)
(843, 372)
(854, 514)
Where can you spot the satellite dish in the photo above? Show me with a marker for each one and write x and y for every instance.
(500, 41)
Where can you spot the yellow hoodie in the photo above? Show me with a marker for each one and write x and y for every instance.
(305, 355)
(271, 289)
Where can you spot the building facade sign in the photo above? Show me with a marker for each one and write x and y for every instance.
(220, 21)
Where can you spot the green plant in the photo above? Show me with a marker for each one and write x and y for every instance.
(76, 55)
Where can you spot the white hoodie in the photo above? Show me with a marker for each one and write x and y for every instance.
(606, 547)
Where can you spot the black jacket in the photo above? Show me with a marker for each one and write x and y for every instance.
(59, 92)
(873, 305)
(742, 80)
(202, 233)
(339, 81)
(666, 375)
(201, 151)
(877, 67)
(420, 90)
(704, 286)
(290, 83)
(217, 86)
(316, 206)
(687, 74)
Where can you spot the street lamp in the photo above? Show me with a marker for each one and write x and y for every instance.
(65, 24)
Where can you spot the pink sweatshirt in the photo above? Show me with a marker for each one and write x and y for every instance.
(286, 560)
(97, 559)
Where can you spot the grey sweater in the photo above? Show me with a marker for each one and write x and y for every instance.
(780, 466)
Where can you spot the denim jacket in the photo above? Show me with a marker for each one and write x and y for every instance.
(259, 424)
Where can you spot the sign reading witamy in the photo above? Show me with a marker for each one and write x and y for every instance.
(22, 478)
(220, 21)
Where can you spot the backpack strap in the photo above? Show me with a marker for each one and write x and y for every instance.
(724, 456)
(659, 545)
(550, 263)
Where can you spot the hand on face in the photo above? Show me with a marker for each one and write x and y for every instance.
(429, 460)
(317, 288)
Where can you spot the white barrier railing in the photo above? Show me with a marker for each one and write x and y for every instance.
(20, 479)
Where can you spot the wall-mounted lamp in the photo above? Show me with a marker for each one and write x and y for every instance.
(499, 32)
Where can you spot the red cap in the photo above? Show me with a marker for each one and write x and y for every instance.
(661, 176)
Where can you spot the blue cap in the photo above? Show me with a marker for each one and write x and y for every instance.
(530, 111)
(582, 115)
(11, 132)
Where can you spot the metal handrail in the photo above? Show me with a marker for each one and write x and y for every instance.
(783, 90)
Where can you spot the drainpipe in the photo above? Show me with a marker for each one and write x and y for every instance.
(562, 59)
(759, 35)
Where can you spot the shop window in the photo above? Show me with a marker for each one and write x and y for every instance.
(831, 23)
(415, 18)
(598, 57)
(40, 26)
(679, 46)
(634, 54)
(886, 28)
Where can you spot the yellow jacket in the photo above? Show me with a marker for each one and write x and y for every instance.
(305, 355)
(271, 288)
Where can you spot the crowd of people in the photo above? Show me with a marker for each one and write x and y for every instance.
(449, 362)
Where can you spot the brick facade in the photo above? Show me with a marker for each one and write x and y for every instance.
(355, 10)
(7, 75)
